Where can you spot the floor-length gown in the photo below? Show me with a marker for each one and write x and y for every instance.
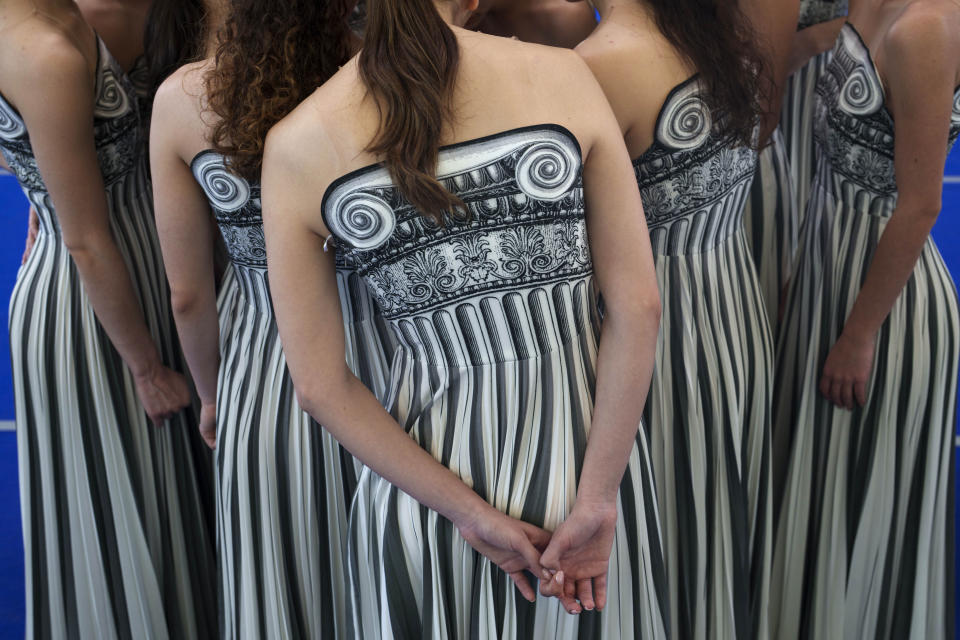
(284, 484)
(864, 546)
(708, 413)
(797, 114)
(772, 224)
(495, 376)
(117, 513)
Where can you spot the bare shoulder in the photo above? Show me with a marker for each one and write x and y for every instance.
(184, 89)
(925, 27)
(41, 64)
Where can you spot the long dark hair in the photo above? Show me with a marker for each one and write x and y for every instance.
(719, 41)
(268, 61)
(174, 36)
(409, 65)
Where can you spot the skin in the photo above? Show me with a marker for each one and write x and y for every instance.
(120, 23)
(638, 67)
(47, 68)
(326, 137)
(916, 47)
(181, 128)
(551, 22)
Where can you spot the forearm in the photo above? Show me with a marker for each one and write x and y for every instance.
(199, 330)
(354, 417)
(108, 286)
(624, 371)
(813, 41)
(893, 263)
(3, 164)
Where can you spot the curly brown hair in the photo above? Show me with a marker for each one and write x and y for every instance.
(271, 56)
(719, 41)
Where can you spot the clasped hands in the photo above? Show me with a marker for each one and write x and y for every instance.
(571, 563)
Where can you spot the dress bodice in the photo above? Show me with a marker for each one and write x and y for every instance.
(854, 127)
(117, 134)
(473, 282)
(693, 181)
(818, 11)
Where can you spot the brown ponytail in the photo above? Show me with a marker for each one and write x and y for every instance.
(409, 65)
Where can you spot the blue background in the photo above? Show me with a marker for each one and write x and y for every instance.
(13, 224)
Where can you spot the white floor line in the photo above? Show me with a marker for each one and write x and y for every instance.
(10, 425)
(957, 441)
(951, 179)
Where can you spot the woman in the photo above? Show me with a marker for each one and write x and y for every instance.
(867, 370)
(117, 536)
(819, 23)
(685, 87)
(284, 484)
(553, 22)
(510, 412)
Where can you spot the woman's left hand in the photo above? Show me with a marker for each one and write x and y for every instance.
(847, 370)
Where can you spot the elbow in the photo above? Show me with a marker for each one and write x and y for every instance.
(929, 210)
(639, 315)
(185, 302)
(319, 396)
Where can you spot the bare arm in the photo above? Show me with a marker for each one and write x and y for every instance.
(186, 238)
(3, 164)
(813, 41)
(921, 78)
(58, 110)
(304, 292)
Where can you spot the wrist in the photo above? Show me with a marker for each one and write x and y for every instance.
(145, 367)
(465, 513)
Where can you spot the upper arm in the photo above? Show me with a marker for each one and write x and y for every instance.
(303, 281)
(619, 240)
(57, 107)
(921, 77)
(180, 206)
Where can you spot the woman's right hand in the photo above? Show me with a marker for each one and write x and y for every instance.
(33, 227)
(511, 544)
(208, 424)
(163, 392)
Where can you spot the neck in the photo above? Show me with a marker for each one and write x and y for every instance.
(452, 13)
(216, 17)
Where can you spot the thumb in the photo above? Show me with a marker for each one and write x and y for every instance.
(559, 545)
(530, 555)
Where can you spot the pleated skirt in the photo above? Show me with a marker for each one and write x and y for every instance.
(117, 513)
(772, 224)
(515, 431)
(708, 419)
(284, 483)
(865, 536)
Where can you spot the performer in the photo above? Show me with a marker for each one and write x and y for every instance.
(557, 23)
(819, 24)
(117, 533)
(285, 485)
(688, 99)
(510, 412)
(867, 371)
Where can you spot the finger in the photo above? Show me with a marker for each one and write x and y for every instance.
(531, 556)
(600, 591)
(523, 586)
(846, 393)
(570, 588)
(550, 586)
(825, 383)
(836, 393)
(585, 594)
(559, 545)
(570, 604)
(860, 390)
(538, 537)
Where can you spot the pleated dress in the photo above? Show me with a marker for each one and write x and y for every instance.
(284, 484)
(118, 517)
(708, 412)
(772, 223)
(864, 545)
(497, 322)
(797, 114)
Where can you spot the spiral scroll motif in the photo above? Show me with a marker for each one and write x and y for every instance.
(546, 171)
(861, 94)
(686, 122)
(362, 220)
(112, 101)
(225, 191)
(11, 126)
(955, 116)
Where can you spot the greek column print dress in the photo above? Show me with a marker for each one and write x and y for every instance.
(772, 224)
(708, 413)
(797, 115)
(284, 484)
(117, 513)
(498, 330)
(864, 544)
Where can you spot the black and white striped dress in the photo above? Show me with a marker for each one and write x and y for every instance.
(117, 514)
(708, 413)
(772, 223)
(498, 329)
(797, 115)
(864, 545)
(284, 484)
